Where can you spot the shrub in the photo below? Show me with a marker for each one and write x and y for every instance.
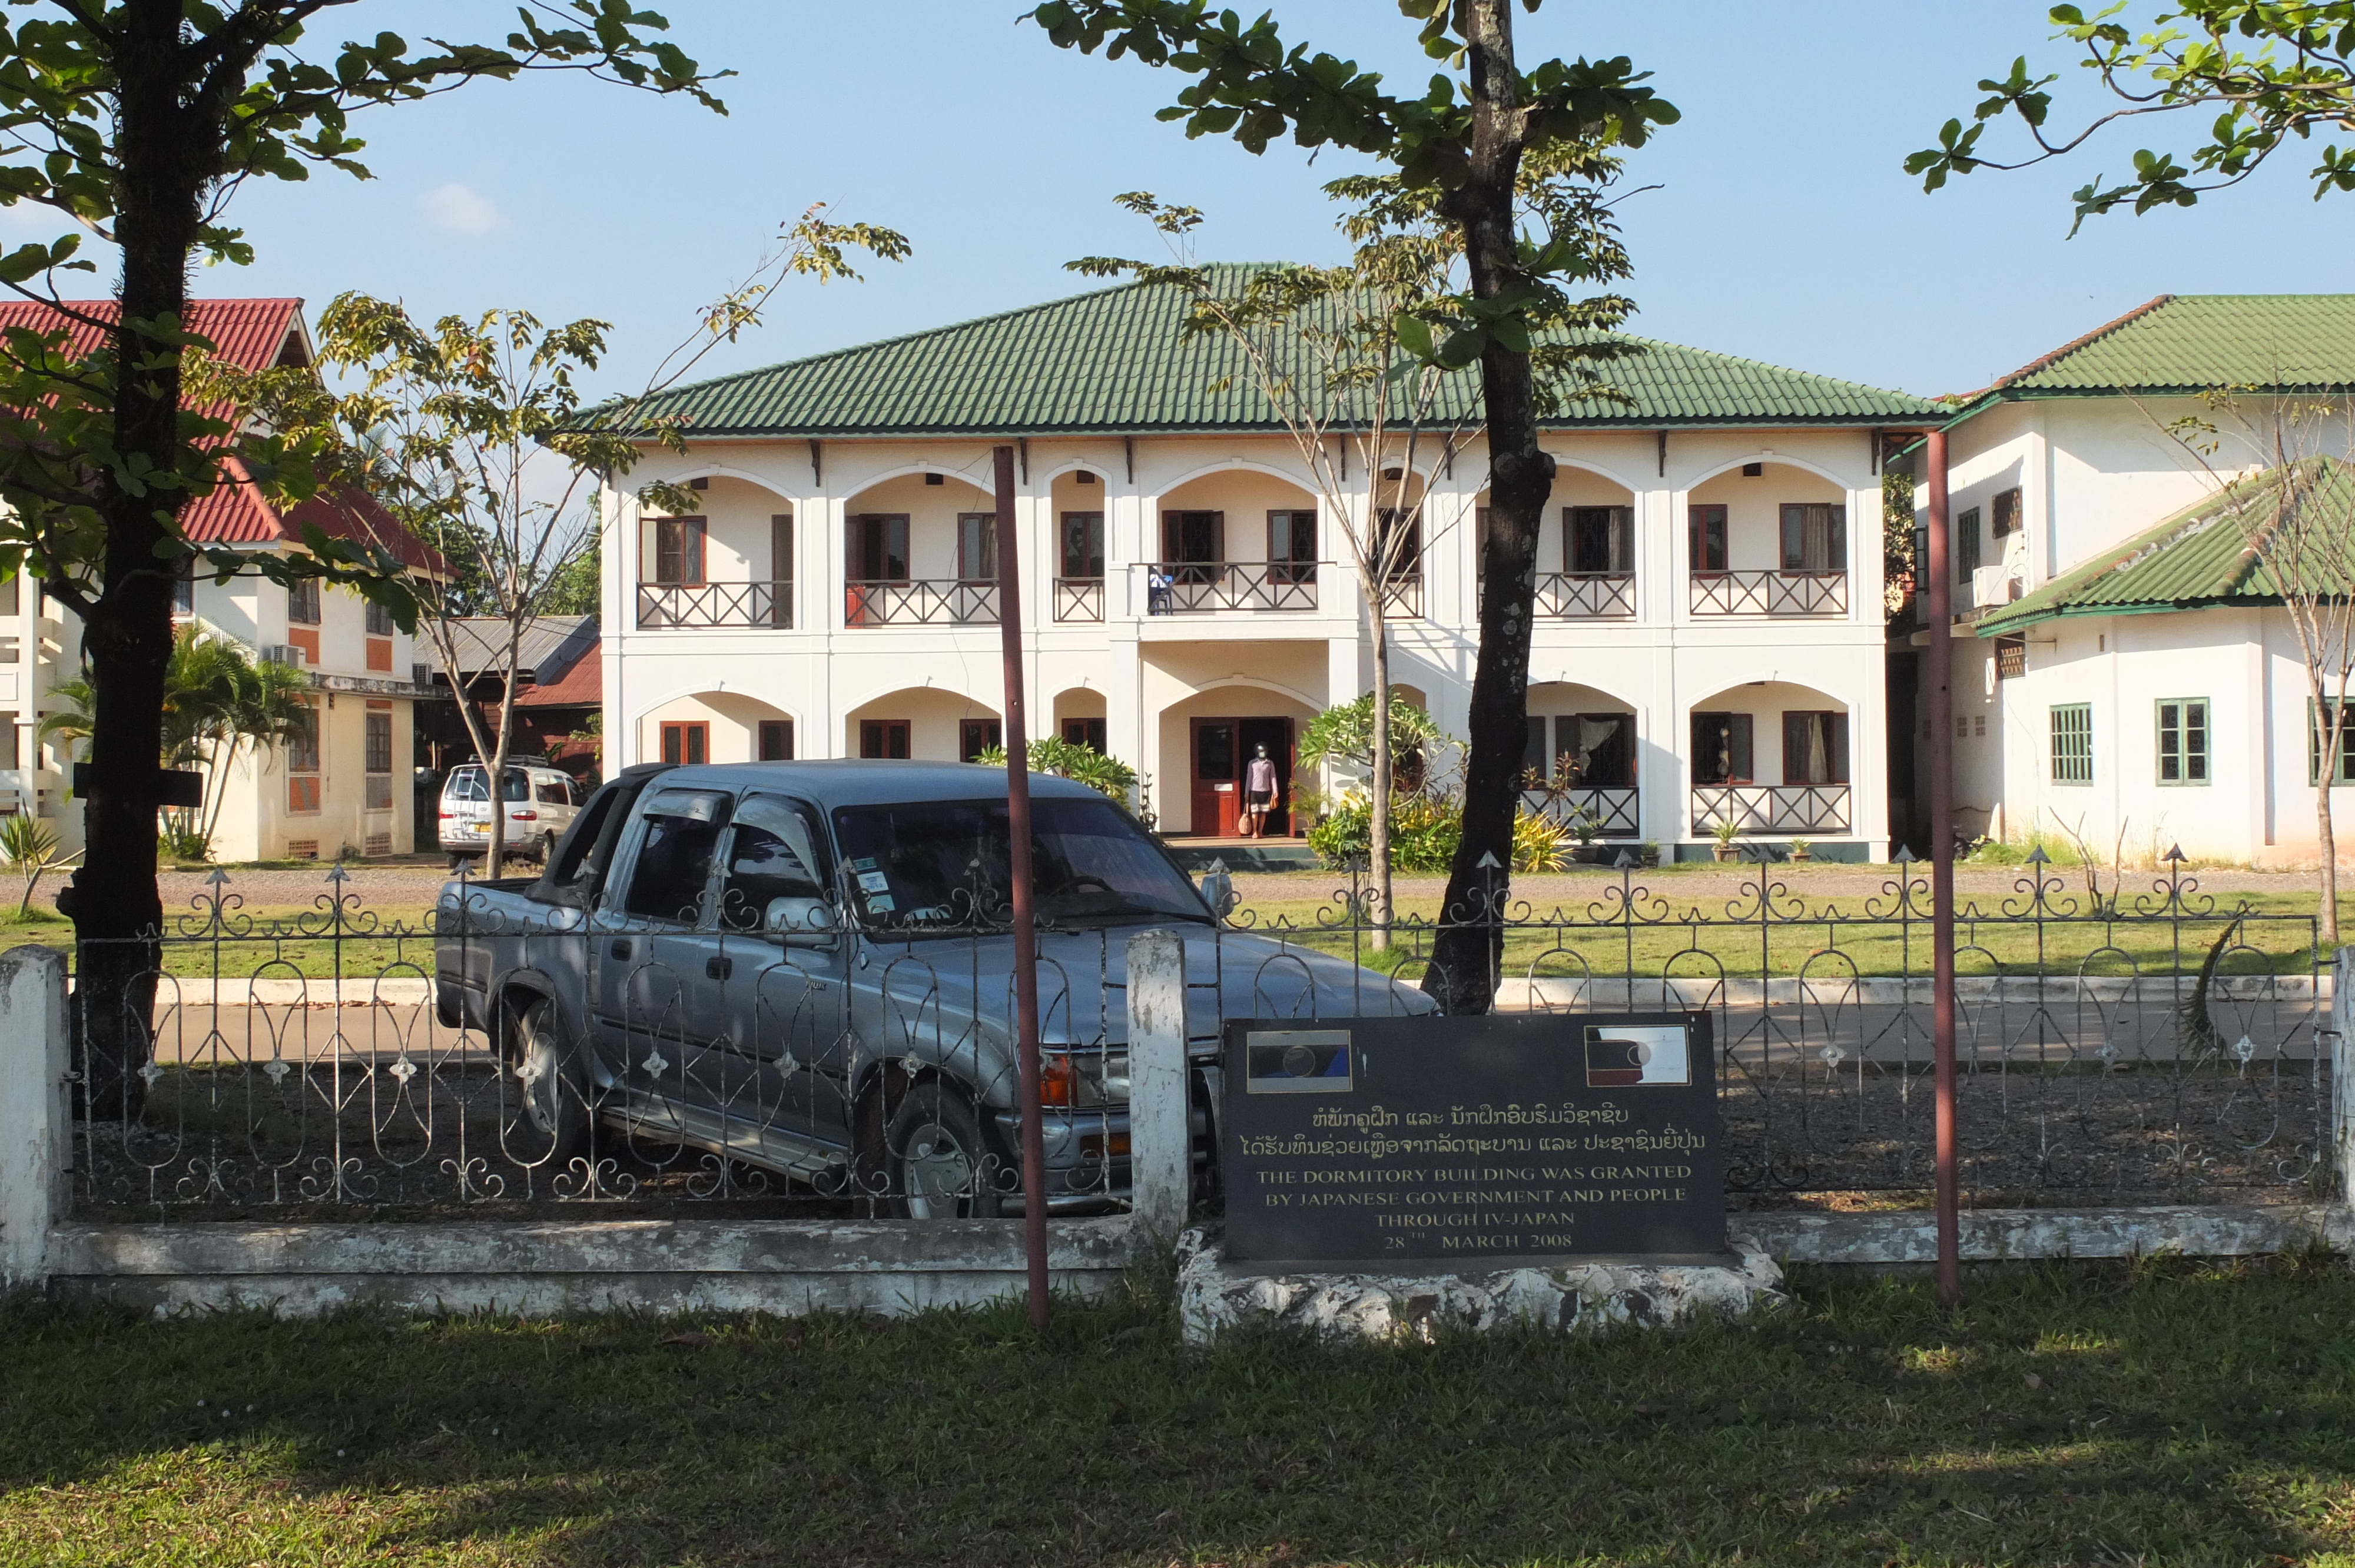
(1082, 764)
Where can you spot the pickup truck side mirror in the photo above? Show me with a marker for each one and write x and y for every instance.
(801, 923)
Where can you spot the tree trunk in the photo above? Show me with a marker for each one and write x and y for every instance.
(167, 157)
(2326, 906)
(1469, 944)
(1380, 821)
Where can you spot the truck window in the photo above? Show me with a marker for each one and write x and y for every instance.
(674, 867)
(773, 855)
(466, 784)
(914, 865)
(519, 785)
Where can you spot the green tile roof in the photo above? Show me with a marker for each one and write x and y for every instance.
(1117, 362)
(2227, 550)
(2179, 343)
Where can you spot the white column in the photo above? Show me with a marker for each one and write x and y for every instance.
(1160, 1117)
(35, 1127)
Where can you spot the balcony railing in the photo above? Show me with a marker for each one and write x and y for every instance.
(1586, 596)
(1200, 588)
(1079, 599)
(710, 605)
(1614, 812)
(920, 603)
(1403, 597)
(1771, 807)
(1770, 593)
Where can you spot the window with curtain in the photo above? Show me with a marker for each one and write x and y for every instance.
(1195, 537)
(1722, 748)
(1815, 749)
(977, 547)
(1594, 751)
(884, 738)
(1707, 538)
(379, 620)
(678, 550)
(1965, 542)
(1599, 540)
(1083, 544)
(685, 743)
(302, 602)
(2184, 740)
(1814, 537)
(876, 547)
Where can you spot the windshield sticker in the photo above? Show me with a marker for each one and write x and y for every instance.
(864, 864)
(880, 903)
(874, 881)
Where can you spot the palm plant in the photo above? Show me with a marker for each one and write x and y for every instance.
(217, 700)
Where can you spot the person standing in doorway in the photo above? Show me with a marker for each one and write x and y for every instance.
(1259, 793)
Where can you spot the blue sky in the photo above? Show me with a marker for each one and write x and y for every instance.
(1782, 227)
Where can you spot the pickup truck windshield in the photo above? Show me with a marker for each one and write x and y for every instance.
(911, 865)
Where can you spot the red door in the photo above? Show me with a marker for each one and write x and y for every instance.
(1218, 787)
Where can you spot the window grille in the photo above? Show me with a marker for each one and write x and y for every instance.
(2073, 743)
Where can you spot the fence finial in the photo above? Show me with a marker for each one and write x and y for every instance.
(2038, 857)
(1626, 861)
(1904, 855)
(2174, 852)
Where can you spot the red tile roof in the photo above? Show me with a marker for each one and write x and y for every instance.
(250, 335)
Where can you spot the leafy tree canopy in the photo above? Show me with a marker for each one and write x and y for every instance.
(2268, 71)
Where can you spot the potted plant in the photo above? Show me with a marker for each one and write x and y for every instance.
(1799, 850)
(1647, 854)
(1725, 832)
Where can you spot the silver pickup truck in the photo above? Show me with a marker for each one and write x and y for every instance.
(808, 968)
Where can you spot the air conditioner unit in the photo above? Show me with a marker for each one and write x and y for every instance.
(283, 654)
(1993, 586)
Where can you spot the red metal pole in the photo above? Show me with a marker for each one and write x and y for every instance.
(1942, 868)
(1026, 933)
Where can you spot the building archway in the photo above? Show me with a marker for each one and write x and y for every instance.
(1208, 740)
(1773, 757)
(718, 726)
(922, 724)
(919, 549)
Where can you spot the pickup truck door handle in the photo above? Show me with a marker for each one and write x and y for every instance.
(621, 948)
(718, 967)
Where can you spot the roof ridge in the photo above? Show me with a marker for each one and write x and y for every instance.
(1766, 364)
(2046, 361)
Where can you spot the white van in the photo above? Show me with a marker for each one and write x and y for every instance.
(539, 802)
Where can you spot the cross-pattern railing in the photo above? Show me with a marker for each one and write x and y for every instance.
(691, 606)
(1079, 599)
(922, 601)
(1772, 808)
(1770, 593)
(1608, 813)
(1403, 597)
(1581, 596)
(1199, 588)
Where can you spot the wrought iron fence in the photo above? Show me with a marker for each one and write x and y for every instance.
(2114, 1046)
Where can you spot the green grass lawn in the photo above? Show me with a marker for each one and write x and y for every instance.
(2173, 1413)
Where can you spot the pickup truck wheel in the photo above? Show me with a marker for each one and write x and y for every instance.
(547, 1123)
(940, 1166)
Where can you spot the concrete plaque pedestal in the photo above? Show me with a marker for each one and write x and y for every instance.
(1576, 1296)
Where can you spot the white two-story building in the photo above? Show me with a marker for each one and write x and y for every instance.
(1710, 610)
(2124, 673)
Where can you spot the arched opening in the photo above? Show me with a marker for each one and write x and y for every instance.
(1581, 761)
(1236, 539)
(1767, 539)
(920, 550)
(922, 724)
(717, 727)
(729, 563)
(1076, 504)
(1772, 757)
(1080, 716)
(1208, 742)
(1587, 548)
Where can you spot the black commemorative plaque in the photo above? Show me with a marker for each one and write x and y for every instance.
(1387, 1140)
